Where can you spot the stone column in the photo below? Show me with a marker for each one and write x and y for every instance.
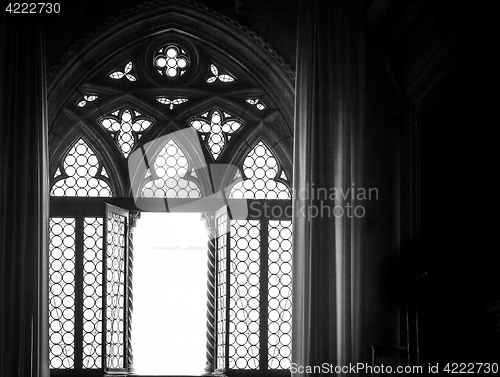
(329, 116)
(133, 218)
(24, 198)
(211, 232)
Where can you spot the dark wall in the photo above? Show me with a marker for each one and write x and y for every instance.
(275, 21)
(458, 258)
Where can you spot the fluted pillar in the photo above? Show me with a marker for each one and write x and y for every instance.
(329, 112)
(24, 198)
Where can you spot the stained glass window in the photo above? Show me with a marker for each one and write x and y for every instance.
(126, 126)
(172, 175)
(171, 61)
(90, 273)
(261, 169)
(81, 174)
(216, 128)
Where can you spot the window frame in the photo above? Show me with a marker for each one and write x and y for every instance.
(256, 66)
(85, 207)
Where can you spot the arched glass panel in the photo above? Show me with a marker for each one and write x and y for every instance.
(81, 174)
(169, 79)
(261, 169)
(172, 175)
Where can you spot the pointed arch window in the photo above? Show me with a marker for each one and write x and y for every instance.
(169, 80)
(81, 174)
(172, 175)
(263, 176)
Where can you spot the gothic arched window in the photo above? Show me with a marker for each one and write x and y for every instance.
(184, 112)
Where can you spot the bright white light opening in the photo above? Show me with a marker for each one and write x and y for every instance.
(170, 301)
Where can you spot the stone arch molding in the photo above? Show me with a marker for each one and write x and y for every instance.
(135, 35)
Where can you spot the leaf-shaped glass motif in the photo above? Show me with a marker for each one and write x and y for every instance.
(117, 75)
(257, 103)
(87, 98)
(226, 77)
(171, 101)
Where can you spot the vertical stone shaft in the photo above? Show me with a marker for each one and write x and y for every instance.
(210, 353)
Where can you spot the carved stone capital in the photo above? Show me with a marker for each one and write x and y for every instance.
(209, 219)
(133, 217)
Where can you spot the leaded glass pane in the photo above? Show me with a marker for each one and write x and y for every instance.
(216, 127)
(279, 294)
(173, 176)
(62, 293)
(86, 99)
(126, 127)
(118, 74)
(115, 290)
(244, 303)
(82, 174)
(261, 169)
(257, 103)
(92, 292)
(171, 61)
(171, 102)
(216, 75)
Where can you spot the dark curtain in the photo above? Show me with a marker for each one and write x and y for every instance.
(328, 144)
(24, 199)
